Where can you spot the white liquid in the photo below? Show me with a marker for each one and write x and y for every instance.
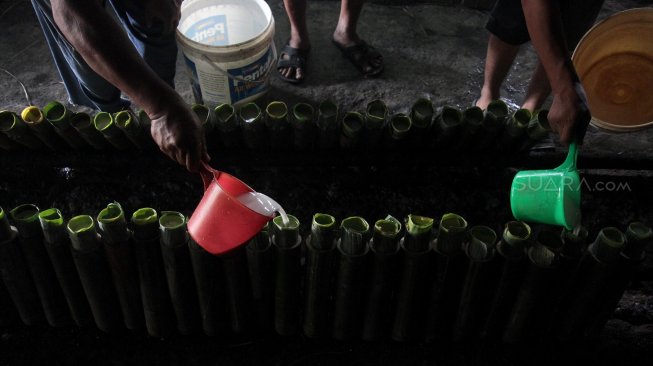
(262, 204)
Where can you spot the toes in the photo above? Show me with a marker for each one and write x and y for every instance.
(299, 74)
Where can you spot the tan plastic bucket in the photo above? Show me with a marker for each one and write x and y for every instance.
(228, 48)
(614, 60)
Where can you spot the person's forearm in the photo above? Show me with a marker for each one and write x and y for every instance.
(545, 28)
(98, 38)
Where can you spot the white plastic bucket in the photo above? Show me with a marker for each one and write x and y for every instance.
(228, 46)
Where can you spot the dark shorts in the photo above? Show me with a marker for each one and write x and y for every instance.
(507, 20)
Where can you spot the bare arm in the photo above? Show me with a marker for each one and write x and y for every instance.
(105, 47)
(569, 114)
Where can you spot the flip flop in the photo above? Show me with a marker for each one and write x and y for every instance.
(296, 59)
(361, 55)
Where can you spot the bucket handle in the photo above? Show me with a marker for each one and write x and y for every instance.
(208, 174)
(240, 78)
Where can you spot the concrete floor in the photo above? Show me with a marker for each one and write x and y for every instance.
(430, 51)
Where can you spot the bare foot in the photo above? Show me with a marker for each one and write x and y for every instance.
(486, 98)
(298, 73)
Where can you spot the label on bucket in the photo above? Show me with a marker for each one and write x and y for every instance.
(255, 71)
(210, 31)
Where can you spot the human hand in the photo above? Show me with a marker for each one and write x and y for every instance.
(179, 134)
(569, 115)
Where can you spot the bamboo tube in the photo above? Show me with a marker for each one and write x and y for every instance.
(477, 289)
(57, 244)
(16, 130)
(398, 132)
(538, 129)
(104, 123)
(94, 272)
(83, 123)
(471, 126)
(128, 123)
(532, 307)
(121, 258)
(303, 126)
(446, 127)
(8, 313)
(421, 114)
(239, 291)
(591, 277)
(350, 279)
(287, 297)
(253, 127)
(260, 263)
(278, 126)
(146, 126)
(493, 123)
(179, 271)
(59, 117)
(16, 276)
(352, 127)
(415, 278)
(450, 266)
(376, 115)
(515, 130)
(207, 117)
(327, 126)
(209, 278)
(5, 142)
(35, 120)
(384, 245)
(511, 259)
(159, 316)
(227, 126)
(638, 237)
(30, 233)
(320, 270)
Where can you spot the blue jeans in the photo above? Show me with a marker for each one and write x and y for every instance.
(85, 86)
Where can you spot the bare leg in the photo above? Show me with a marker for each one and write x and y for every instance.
(500, 56)
(345, 33)
(538, 89)
(296, 10)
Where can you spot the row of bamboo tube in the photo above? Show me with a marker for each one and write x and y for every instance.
(280, 128)
(415, 281)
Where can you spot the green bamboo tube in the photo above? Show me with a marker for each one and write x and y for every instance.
(227, 126)
(261, 267)
(638, 237)
(121, 257)
(478, 289)
(376, 115)
(421, 114)
(303, 126)
(35, 120)
(253, 127)
(207, 117)
(446, 127)
(471, 127)
(384, 247)
(179, 271)
(83, 123)
(511, 259)
(59, 117)
(328, 129)
(209, 278)
(128, 123)
(26, 218)
(57, 244)
(287, 296)
(6, 143)
(16, 130)
(104, 123)
(352, 127)
(239, 292)
(450, 265)
(398, 132)
(8, 313)
(415, 278)
(350, 283)
(493, 123)
(320, 270)
(538, 129)
(589, 282)
(94, 272)
(278, 126)
(159, 316)
(515, 130)
(532, 307)
(15, 274)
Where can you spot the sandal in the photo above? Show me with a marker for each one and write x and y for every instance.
(362, 55)
(295, 58)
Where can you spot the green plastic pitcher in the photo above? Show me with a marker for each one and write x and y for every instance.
(548, 196)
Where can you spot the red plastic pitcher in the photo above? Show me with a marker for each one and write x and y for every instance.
(220, 222)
